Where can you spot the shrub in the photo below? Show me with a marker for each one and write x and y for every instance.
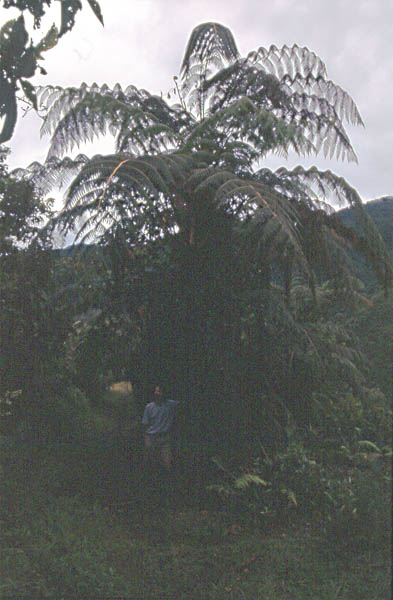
(349, 504)
(66, 417)
(359, 511)
(292, 483)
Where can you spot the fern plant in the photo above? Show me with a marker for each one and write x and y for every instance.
(177, 163)
(221, 238)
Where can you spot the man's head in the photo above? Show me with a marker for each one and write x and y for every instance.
(157, 394)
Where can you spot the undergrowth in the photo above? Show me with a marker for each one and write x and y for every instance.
(69, 538)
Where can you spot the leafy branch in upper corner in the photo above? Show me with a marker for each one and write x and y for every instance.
(19, 56)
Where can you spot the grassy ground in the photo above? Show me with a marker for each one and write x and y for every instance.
(80, 521)
(70, 550)
(69, 543)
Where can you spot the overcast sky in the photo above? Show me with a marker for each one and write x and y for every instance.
(143, 42)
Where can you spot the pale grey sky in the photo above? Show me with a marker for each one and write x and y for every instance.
(143, 42)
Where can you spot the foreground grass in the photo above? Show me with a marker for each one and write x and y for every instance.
(79, 524)
(67, 547)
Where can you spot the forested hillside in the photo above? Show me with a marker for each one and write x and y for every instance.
(373, 323)
(381, 212)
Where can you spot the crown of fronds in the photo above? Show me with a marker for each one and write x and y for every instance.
(230, 112)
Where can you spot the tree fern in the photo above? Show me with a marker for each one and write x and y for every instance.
(230, 113)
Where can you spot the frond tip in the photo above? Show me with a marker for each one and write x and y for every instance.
(207, 42)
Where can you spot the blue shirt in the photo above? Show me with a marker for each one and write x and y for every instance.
(159, 417)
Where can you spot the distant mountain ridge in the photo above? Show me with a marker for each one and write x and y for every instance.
(381, 212)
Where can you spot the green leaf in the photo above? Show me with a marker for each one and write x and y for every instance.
(35, 7)
(69, 8)
(13, 38)
(207, 42)
(49, 41)
(95, 7)
(245, 480)
(366, 444)
(290, 495)
(9, 108)
(27, 64)
(29, 91)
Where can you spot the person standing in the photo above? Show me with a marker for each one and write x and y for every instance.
(157, 421)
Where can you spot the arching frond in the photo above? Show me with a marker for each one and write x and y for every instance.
(283, 182)
(54, 173)
(55, 102)
(324, 133)
(321, 90)
(136, 130)
(249, 198)
(317, 115)
(122, 186)
(139, 121)
(289, 61)
(243, 79)
(209, 43)
(244, 121)
(210, 48)
(327, 185)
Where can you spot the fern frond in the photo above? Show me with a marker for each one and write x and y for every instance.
(146, 138)
(245, 122)
(288, 60)
(243, 79)
(96, 115)
(78, 115)
(367, 237)
(223, 490)
(339, 99)
(109, 189)
(209, 42)
(293, 187)
(54, 173)
(244, 481)
(210, 47)
(317, 115)
(56, 102)
(249, 198)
